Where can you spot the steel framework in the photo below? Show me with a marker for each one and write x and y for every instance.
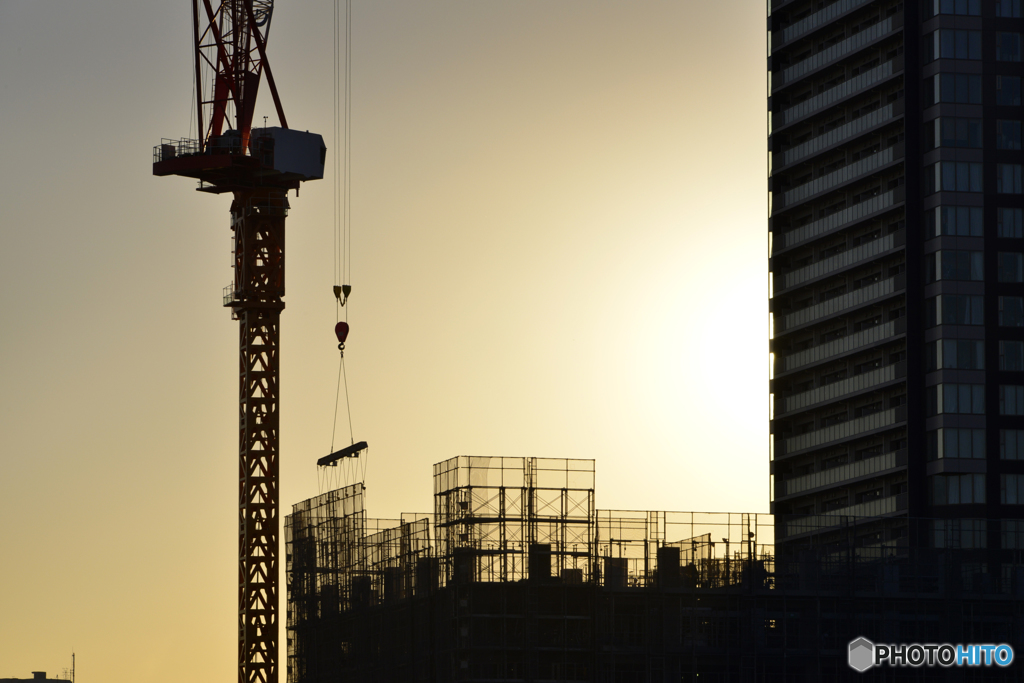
(257, 219)
(230, 50)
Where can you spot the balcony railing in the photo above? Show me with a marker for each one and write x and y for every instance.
(848, 344)
(874, 508)
(841, 133)
(850, 257)
(851, 385)
(838, 51)
(848, 88)
(844, 302)
(840, 176)
(841, 219)
(845, 430)
(814, 21)
(843, 473)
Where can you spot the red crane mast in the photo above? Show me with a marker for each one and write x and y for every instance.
(258, 167)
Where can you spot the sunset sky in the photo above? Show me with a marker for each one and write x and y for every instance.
(558, 250)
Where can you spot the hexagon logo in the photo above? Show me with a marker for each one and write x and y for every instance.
(861, 654)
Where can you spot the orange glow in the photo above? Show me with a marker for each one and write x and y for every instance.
(558, 251)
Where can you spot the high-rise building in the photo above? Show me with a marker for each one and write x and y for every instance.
(895, 228)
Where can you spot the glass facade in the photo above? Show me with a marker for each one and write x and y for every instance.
(911, 392)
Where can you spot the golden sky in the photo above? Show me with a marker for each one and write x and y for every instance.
(559, 250)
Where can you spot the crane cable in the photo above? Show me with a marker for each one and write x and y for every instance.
(343, 207)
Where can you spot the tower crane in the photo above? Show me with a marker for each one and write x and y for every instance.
(258, 166)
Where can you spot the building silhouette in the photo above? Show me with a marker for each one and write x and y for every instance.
(896, 246)
(517, 575)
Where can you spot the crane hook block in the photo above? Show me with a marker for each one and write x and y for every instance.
(341, 330)
(342, 291)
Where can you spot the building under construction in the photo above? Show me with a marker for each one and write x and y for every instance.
(517, 576)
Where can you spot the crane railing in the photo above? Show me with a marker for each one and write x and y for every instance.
(172, 149)
(185, 147)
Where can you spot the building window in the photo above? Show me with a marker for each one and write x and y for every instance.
(1008, 178)
(960, 533)
(1011, 311)
(1011, 399)
(1007, 47)
(1011, 444)
(965, 221)
(954, 309)
(949, 131)
(1007, 134)
(1011, 356)
(1009, 222)
(957, 489)
(954, 44)
(1013, 534)
(957, 354)
(954, 264)
(1011, 489)
(867, 496)
(968, 7)
(1008, 8)
(1011, 267)
(956, 443)
(959, 88)
(834, 504)
(954, 399)
(1008, 91)
(956, 176)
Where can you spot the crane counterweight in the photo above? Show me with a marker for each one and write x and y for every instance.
(275, 156)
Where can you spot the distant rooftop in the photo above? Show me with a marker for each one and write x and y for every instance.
(36, 676)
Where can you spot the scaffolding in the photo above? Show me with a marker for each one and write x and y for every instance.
(517, 576)
(507, 519)
(700, 549)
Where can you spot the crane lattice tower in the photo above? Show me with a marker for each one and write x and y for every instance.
(258, 167)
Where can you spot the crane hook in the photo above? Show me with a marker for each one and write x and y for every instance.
(341, 331)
